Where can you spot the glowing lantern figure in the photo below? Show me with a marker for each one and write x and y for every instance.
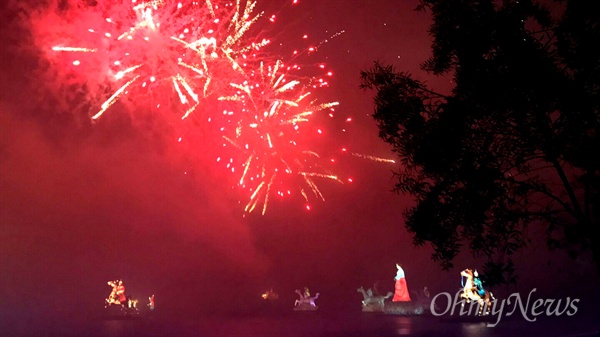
(401, 289)
(151, 304)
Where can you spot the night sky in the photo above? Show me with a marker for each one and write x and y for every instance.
(82, 203)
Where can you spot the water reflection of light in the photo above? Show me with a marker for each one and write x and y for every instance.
(403, 326)
(116, 327)
(475, 329)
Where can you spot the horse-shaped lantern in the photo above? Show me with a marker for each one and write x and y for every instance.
(471, 293)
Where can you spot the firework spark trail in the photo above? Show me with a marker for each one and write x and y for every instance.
(373, 158)
(172, 49)
(74, 49)
(327, 40)
(112, 99)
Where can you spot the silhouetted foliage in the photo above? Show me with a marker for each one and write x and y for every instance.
(515, 144)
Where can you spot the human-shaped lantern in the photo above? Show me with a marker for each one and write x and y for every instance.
(401, 293)
(478, 284)
(117, 295)
(151, 303)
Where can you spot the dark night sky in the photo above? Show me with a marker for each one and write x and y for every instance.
(81, 204)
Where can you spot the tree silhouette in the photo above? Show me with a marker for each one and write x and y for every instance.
(514, 145)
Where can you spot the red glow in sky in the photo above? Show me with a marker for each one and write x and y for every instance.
(159, 54)
(141, 193)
